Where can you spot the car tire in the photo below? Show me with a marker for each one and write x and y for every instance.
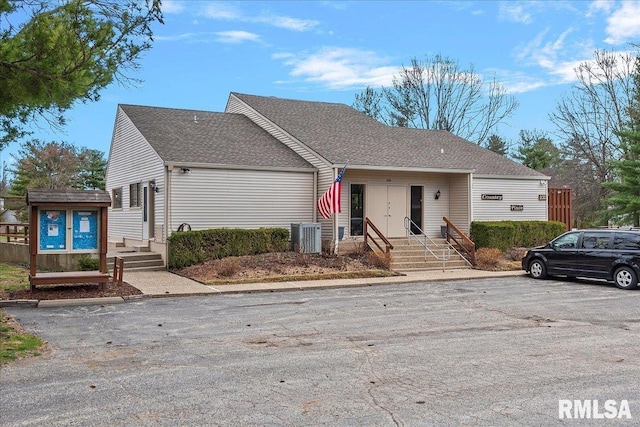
(625, 278)
(537, 269)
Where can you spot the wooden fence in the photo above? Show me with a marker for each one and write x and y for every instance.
(560, 202)
(14, 232)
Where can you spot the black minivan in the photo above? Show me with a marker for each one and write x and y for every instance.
(610, 254)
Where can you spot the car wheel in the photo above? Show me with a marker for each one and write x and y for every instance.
(537, 269)
(625, 278)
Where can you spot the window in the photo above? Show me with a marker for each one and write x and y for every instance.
(116, 198)
(135, 195)
(566, 241)
(626, 241)
(357, 209)
(595, 240)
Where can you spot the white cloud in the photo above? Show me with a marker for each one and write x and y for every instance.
(237, 37)
(342, 68)
(285, 22)
(208, 37)
(229, 12)
(624, 23)
(515, 12)
(171, 6)
(541, 53)
(599, 6)
(220, 10)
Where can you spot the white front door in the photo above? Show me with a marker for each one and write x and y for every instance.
(387, 207)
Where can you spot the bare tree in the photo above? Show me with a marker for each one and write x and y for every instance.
(437, 94)
(589, 121)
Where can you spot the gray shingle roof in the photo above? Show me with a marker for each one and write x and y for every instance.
(192, 136)
(39, 196)
(340, 134)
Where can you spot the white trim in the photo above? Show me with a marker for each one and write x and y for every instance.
(171, 165)
(407, 169)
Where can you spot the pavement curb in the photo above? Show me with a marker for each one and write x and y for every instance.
(80, 301)
(19, 303)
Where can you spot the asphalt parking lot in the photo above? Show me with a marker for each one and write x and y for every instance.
(490, 352)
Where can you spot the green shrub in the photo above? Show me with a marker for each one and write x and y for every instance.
(193, 247)
(508, 234)
(87, 263)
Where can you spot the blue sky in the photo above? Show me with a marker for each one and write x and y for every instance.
(330, 50)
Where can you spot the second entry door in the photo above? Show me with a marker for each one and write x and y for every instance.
(387, 208)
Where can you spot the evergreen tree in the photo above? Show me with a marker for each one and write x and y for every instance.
(624, 204)
(67, 51)
(497, 145)
(56, 165)
(93, 167)
(537, 151)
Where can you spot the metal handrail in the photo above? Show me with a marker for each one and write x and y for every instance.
(446, 249)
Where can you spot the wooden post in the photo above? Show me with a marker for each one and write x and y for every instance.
(118, 269)
(33, 244)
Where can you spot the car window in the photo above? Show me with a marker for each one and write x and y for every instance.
(595, 240)
(626, 241)
(566, 241)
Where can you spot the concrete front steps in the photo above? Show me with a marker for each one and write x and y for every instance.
(409, 255)
(136, 261)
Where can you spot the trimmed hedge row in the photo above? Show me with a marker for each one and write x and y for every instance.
(508, 234)
(193, 247)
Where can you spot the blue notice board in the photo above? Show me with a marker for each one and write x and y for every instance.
(85, 230)
(53, 230)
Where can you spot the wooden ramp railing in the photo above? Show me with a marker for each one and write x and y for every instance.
(464, 243)
(14, 232)
(368, 225)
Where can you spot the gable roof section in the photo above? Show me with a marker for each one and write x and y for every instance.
(203, 137)
(46, 196)
(340, 133)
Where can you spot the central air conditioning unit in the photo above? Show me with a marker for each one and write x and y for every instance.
(306, 238)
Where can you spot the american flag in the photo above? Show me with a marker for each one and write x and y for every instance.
(329, 203)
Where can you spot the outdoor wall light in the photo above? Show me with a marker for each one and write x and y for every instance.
(437, 195)
(185, 170)
(154, 187)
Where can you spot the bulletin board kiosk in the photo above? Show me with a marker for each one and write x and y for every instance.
(67, 222)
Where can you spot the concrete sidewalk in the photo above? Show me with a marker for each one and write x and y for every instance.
(154, 284)
(164, 283)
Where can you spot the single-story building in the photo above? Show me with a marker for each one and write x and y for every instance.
(265, 161)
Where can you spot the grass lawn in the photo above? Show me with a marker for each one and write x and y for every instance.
(14, 342)
(13, 277)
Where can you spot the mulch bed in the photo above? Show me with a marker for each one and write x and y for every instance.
(87, 290)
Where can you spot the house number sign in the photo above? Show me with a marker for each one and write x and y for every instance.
(491, 196)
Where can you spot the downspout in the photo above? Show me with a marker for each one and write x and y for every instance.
(315, 197)
(470, 201)
(167, 212)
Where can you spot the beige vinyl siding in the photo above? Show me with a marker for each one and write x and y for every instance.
(231, 198)
(514, 192)
(132, 160)
(459, 202)
(325, 172)
(455, 206)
